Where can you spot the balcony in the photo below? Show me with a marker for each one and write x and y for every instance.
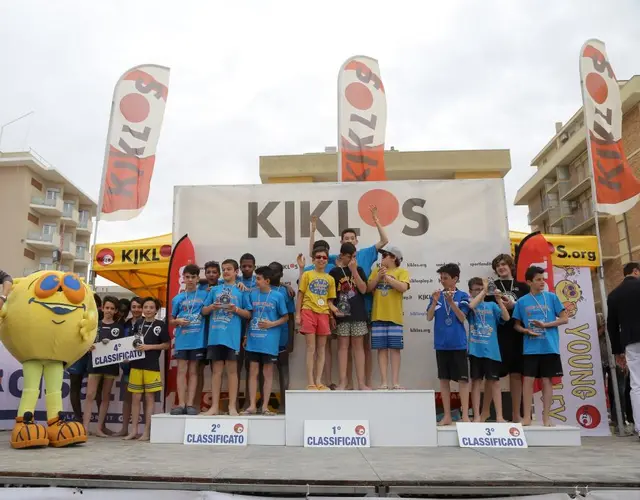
(535, 218)
(579, 222)
(70, 216)
(82, 256)
(51, 208)
(85, 227)
(50, 241)
(577, 186)
(68, 249)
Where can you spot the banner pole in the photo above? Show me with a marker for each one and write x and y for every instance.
(600, 270)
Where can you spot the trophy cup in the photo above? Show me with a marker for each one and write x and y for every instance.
(225, 299)
(343, 306)
(491, 287)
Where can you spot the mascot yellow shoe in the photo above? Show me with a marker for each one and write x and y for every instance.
(49, 321)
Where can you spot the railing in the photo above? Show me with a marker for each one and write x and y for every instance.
(83, 224)
(42, 201)
(38, 236)
(69, 246)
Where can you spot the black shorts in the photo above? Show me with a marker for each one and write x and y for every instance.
(108, 370)
(221, 353)
(484, 368)
(260, 357)
(542, 365)
(453, 365)
(190, 354)
(511, 346)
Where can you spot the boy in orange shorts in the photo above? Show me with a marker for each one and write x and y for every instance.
(152, 337)
(316, 292)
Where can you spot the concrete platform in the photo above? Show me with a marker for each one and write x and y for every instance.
(605, 463)
(262, 431)
(537, 435)
(396, 418)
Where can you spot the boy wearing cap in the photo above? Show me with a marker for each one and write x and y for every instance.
(388, 283)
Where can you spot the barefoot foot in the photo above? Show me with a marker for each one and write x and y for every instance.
(101, 434)
(445, 421)
(122, 433)
(130, 437)
(548, 423)
(144, 437)
(526, 422)
(233, 412)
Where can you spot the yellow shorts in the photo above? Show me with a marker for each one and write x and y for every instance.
(144, 381)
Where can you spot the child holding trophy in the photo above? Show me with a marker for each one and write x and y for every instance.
(351, 324)
(449, 308)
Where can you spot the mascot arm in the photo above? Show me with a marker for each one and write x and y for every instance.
(88, 325)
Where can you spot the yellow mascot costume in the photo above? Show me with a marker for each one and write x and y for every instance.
(49, 321)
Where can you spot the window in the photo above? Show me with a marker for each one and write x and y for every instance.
(69, 206)
(46, 264)
(49, 229)
(84, 215)
(52, 194)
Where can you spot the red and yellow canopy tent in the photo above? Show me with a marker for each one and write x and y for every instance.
(141, 266)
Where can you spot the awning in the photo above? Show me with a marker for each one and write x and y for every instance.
(568, 251)
(140, 266)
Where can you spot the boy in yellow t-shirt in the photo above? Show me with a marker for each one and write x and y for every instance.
(388, 283)
(316, 292)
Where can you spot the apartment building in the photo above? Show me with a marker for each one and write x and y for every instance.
(399, 165)
(559, 193)
(42, 211)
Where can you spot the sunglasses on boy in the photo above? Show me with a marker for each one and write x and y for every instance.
(321, 257)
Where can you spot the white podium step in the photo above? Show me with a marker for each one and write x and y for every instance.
(396, 418)
(537, 435)
(262, 431)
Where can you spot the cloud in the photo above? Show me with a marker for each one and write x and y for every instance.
(260, 78)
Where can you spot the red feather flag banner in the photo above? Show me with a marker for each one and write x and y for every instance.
(183, 253)
(616, 188)
(535, 250)
(137, 111)
(362, 121)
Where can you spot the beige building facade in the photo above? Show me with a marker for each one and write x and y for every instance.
(559, 193)
(399, 165)
(42, 211)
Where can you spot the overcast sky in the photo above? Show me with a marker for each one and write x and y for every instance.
(253, 78)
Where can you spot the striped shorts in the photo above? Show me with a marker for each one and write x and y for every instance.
(386, 335)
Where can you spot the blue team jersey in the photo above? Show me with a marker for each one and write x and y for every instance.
(483, 331)
(268, 306)
(248, 282)
(544, 307)
(291, 309)
(449, 333)
(188, 305)
(225, 327)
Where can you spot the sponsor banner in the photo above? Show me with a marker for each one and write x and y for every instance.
(121, 255)
(574, 251)
(137, 111)
(114, 352)
(216, 431)
(617, 189)
(273, 224)
(362, 120)
(336, 434)
(580, 398)
(182, 254)
(11, 383)
(490, 435)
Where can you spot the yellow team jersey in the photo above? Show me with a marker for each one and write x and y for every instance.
(318, 288)
(387, 301)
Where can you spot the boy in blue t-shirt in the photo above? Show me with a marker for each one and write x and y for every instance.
(189, 339)
(449, 308)
(227, 305)
(538, 315)
(269, 313)
(484, 349)
(287, 332)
